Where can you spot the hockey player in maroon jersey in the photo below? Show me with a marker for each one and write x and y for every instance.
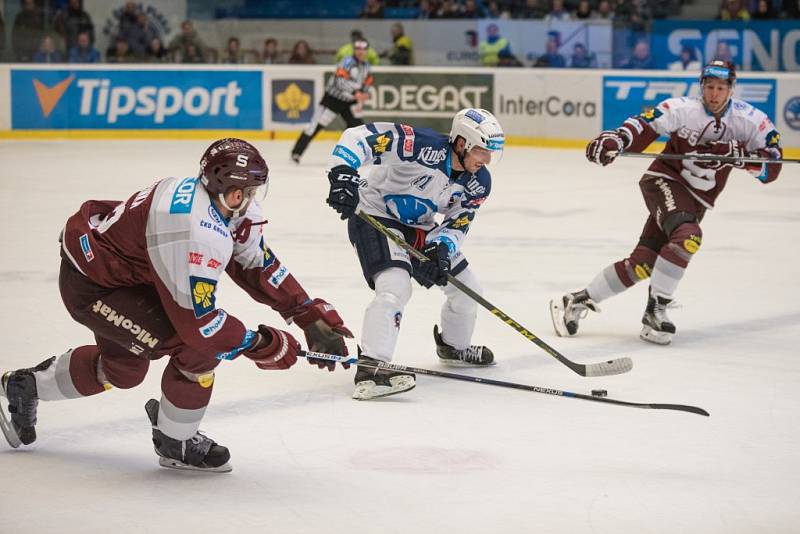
(677, 193)
(142, 275)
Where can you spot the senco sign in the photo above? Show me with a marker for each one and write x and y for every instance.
(427, 99)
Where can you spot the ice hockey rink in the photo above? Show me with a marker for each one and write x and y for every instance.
(448, 456)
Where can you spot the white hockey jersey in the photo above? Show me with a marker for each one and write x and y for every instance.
(689, 126)
(411, 179)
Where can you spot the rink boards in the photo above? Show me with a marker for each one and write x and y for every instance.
(543, 107)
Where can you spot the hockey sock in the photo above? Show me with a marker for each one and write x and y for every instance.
(72, 375)
(459, 312)
(184, 398)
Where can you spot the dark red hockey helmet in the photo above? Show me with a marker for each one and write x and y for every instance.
(230, 163)
(720, 69)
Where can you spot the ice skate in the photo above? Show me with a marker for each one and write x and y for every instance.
(567, 312)
(372, 383)
(198, 453)
(19, 387)
(472, 356)
(657, 327)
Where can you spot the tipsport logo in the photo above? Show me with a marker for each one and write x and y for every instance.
(135, 99)
(625, 96)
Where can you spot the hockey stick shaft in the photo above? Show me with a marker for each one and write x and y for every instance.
(611, 367)
(377, 364)
(705, 157)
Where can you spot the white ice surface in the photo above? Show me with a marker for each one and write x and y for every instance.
(448, 456)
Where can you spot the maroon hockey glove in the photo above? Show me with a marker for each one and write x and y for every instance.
(325, 331)
(730, 149)
(274, 349)
(604, 148)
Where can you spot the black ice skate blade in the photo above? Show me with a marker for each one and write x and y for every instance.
(169, 463)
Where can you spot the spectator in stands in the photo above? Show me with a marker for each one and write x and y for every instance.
(347, 49)
(641, 58)
(402, 53)
(471, 10)
(84, 51)
(71, 21)
(127, 18)
(764, 10)
(490, 49)
(584, 10)
(233, 52)
(120, 52)
(604, 11)
(582, 58)
(27, 32)
(687, 61)
(551, 57)
(426, 9)
(791, 8)
(449, 9)
(140, 34)
(302, 54)
(156, 52)
(496, 11)
(635, 15)
(192, 54)
(186, 39)
(733, 10)
(557, 12)
(529, 9)
(47, 52)
(270, 54)
(373, 9)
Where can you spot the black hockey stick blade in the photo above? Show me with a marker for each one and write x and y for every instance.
(706, 157)
(608, 368)
(377, 364)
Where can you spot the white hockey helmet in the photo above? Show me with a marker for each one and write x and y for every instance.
(479, 128)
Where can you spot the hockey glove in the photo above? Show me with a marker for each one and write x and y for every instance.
(274, 349)
(604, 148)
(436, 269)
(343, 196)
(325, 332)
(730, 149)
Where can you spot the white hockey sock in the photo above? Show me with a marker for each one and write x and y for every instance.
(384, 314)
(459, 311)
(666, 277)
(55, 382)
(606, 284)
(178, 423)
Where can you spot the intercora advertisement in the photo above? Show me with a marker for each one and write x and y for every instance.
(135, 99)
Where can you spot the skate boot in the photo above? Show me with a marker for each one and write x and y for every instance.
(657, 327)
(568, 312)
(19, 387)
(198, 453)
(473, 356)
(372, 383)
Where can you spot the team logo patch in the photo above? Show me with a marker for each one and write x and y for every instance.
(269, 256)
(460, 223)
(86, 248)
(692, 244)
(203, 297)
(773, 139)
(380, 143)
(642, 271)
(651, 114)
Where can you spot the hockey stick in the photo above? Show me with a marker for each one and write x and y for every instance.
(705, 157)
(610, 367)
(377, 364)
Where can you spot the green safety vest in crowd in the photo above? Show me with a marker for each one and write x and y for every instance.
(347, 50)
(490, 53)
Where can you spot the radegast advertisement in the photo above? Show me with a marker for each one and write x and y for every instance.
(753, 45)
(624, 96)
(427, 99)
(136, 99)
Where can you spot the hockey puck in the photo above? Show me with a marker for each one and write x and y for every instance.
(599, 393)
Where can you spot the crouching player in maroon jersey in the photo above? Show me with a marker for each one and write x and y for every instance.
(142, 274)
(677, 192)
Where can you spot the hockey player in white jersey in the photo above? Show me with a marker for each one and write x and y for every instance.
(415, 175)
(677, 192)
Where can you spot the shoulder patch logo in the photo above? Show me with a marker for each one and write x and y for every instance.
(203, 297)
(380, 143)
